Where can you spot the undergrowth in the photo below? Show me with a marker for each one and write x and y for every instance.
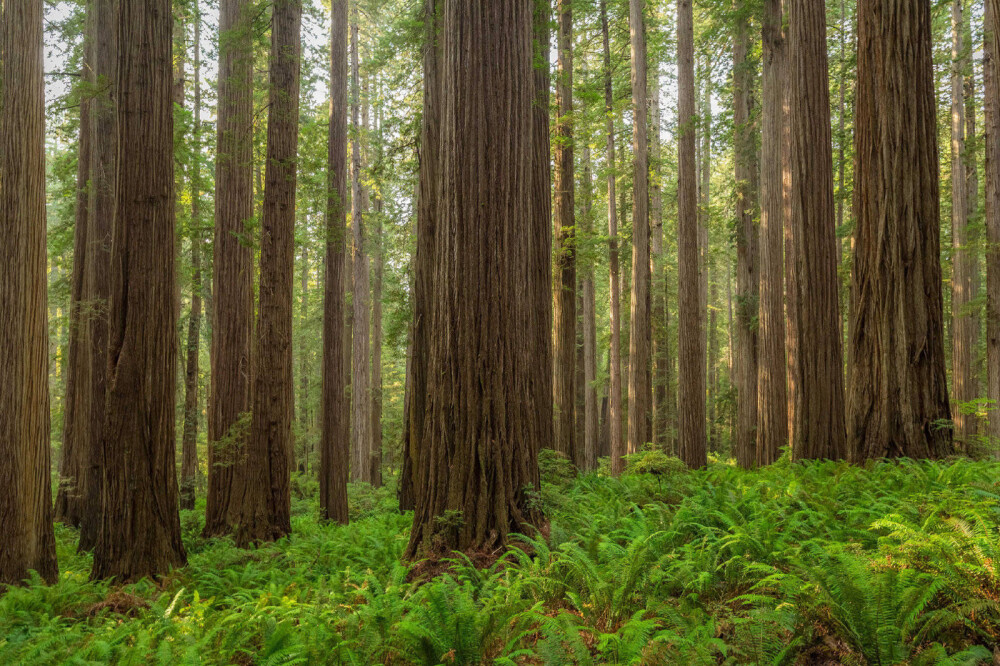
(817, 563)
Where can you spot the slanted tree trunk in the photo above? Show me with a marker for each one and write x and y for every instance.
(335, 434)
(616, 441)
(747, 280)
(819, 407)
(232, 269)
(691, 350)
(480, 440)
(25, 484)
(991, 77)
(140, 532)
(262, 496)
(564, 337)
(898, 389)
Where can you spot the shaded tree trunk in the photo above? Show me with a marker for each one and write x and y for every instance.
(232, 270)
(376, 382)
(709, 281)
(25, 484)
(819, 406)
(691, 349)
(657, 266)
(140, 531)
(480, 438)
(991, 77)
(589, 327)
(898, 389)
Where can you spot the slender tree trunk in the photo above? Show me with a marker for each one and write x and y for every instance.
(898, 389)
(232, 269)
(772, 403)
(747, 280)
(262, 495)
(991, 77)
(335, 435)
(640, 331)
(564, 336)
(589, 328)
(972, 186)
(657, 266)
(140, 531)
(819, 407)
(479, 451)
(25, 484)
(709, 281)
(376, 404)
(841, 150)
(189, 438)
(616, 442)
(691, 350)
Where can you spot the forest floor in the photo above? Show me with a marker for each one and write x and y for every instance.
(818, 563)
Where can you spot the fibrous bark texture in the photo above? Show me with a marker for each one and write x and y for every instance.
(335, 435)
(661, 404)
(262, 500)
(819, 401)
(691, 348)
(25, 490)
(232, 271)
(140, 531)
(898, 394)
(991, 76)
(478, 455)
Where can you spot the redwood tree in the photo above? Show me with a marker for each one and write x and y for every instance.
(991, 76)
(898, 394)
(25, 490)
(139, 533)
(478, 454)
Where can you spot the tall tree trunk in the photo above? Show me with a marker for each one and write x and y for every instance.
(564, 336)
(972, 186)
(819, 407)
(991, 77)
(657, 266)
(25, 484)
(841, 152)
(232, 269)
(189, 438)
(301, 402)
(691, 350)
(590, 418)
(262, 495)
(140, 532)
(376, 402)
(480, 443)
(640, 331)
(772, 404)
(709, 281)
(747, 280)
(898, 389)
(335, 435)
(69, 507)
(616, 443)
(963, 259)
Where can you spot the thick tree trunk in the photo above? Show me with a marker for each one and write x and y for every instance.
(640, 331)
(991, 76)
(898, 389)
(139, 525)
(616, 441)
(819, 407)
(25, 484)
(747, 284)
(772, 403)
(189, 438)
(232, 270)
(481, 434)
(262, 495)
(691, 350)
(564, 336)
(335, 435)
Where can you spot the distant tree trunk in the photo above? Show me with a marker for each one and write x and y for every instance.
(564, 337)
(691, 350)
(25, 484)
(709, 281)
(72, 493)
(479, 450)
(772, 404)
(898, 390)
(616, 442)
(335, 434)
(262, 495)
(361, 351)
(991, 77)
(579, 400)
(377, 270)
(589, 327)
(140, 532)
(819, 406)
(972, 185)
(232, 269)
(747, 280)
(640, 331)
(657, 266)
(189, 439)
